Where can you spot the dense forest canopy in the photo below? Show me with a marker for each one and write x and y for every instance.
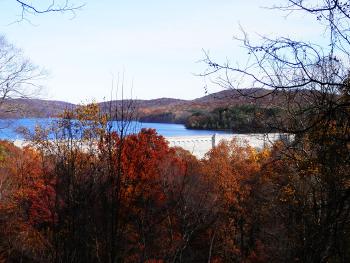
(96, 195)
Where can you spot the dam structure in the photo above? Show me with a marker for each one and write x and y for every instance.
(200, 145)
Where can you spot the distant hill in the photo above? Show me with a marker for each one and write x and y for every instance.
(178, 111)
(166, 110)
(32, 108)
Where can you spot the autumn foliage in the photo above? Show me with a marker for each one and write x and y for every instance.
(94, 194)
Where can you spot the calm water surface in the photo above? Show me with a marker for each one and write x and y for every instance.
(9, 128)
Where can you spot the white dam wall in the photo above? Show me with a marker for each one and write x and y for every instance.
(200, 145)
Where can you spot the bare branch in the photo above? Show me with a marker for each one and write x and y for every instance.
(53, 6)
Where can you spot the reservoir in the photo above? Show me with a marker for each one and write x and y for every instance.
(10, 129)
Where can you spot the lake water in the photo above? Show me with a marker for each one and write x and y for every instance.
(9, 128)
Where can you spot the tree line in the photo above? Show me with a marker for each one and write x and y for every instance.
(246, 118)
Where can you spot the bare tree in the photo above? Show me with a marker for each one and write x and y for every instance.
(311, 77)
(19, 77)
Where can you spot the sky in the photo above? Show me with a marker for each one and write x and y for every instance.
(155, 48)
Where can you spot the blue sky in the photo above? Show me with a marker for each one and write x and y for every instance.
(156, 45)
